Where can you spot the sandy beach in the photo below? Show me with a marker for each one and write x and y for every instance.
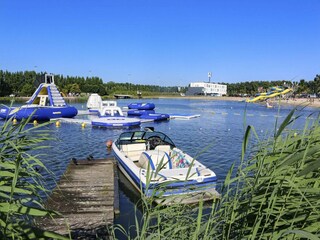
(296, 102)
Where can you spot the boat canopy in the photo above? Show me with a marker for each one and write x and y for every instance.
(143, 136)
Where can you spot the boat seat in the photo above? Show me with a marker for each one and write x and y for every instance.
(133, 151)
(155, 158)
(165, 148)
(179, 159)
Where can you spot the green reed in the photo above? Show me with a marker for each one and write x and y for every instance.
(274, 193)
(21, 182)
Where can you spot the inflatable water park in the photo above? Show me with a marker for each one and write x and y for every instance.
(46, 103)
(274, 92)
(110, 115)
(146, 111)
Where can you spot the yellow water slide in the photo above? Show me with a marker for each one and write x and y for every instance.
(286, 91)
(259, 98)
(274, 94)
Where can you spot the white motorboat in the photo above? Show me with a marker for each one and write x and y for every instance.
(158, 169)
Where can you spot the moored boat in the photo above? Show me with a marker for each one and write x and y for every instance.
(158, 169)
(269, 105)
(46, 103)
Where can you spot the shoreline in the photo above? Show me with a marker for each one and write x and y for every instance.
(295, 102)
(313, 102)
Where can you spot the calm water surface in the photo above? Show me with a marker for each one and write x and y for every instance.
(215, 138)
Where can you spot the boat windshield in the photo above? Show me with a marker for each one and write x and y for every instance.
(142, 136)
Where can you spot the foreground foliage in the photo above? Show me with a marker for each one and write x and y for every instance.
(21, 183)
(273, 195)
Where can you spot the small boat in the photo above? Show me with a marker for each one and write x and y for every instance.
(142, 106)
(103, 108)
(269, 105)
(46, 103)
(158, 169)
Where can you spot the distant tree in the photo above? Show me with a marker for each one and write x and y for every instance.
(5, 88)
(92, 88)
(18, 83)
(72, 88)
(302, 87)
(29, 77)
(27, 90)
(311, 87)
(317, 84)
(102, 90)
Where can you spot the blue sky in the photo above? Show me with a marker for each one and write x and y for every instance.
(163, 42)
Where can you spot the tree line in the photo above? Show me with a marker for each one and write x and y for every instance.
(25, 83)
(251, 88)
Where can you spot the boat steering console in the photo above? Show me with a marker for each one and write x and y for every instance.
(154, 141)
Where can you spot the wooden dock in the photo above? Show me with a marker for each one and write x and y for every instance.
(122, 96)
(86, 196)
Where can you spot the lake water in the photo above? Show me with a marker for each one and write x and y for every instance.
(214, 138)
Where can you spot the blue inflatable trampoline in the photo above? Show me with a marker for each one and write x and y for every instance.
(115, 122)
(135, 112)
(156, 116)
(142, 106)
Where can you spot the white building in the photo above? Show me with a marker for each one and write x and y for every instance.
(207, 89)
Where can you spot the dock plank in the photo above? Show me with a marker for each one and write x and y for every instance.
(86, 196)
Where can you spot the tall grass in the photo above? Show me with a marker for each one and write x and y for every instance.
(272, 194)
(276, 193)
(21, 183)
